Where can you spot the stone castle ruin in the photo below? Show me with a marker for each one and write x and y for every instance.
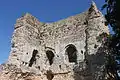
(64, 50)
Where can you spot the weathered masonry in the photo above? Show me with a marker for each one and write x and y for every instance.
(63, 50)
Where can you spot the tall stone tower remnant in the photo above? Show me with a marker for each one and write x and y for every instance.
(64, 50)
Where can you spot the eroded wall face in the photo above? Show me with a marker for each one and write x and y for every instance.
(63, 50)
(30, 36)
(24, 40)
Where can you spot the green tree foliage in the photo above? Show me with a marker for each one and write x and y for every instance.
(113, 44)
(113, 14)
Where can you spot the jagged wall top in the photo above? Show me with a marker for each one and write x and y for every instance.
(82, 16)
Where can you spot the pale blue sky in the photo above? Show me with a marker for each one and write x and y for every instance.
(44, 10)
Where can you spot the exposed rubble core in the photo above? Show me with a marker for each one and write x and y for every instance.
(63, 50)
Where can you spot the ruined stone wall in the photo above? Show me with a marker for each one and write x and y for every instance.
(63, 50)
(24, 40)
(95, 54)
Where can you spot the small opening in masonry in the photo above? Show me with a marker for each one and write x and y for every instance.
(33, 59)
(50, 56)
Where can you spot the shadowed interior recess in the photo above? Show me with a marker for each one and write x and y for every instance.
(72, 53)
(50, 56)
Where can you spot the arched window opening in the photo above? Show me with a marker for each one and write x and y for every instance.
(71, 51)
(33, 58)
(50, 56)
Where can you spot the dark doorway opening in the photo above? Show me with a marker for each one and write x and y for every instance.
(71, 51)
(50, 56)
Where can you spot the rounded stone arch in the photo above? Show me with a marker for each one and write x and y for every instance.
(71, 52)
